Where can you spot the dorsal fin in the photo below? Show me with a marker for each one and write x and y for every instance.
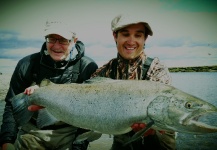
(99, 80)
(45, 82)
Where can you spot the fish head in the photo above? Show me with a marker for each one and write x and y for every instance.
(178, 111)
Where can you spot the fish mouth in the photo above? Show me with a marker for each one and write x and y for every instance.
(197, 125)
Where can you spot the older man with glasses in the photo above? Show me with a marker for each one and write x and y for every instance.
(57, 63)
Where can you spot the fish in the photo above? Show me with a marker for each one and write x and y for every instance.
(108, 106)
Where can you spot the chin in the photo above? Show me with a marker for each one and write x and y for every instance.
(57, 59)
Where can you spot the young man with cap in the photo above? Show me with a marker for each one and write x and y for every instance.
(130, 35)
(56, 63)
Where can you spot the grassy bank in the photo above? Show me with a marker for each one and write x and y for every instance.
(194, 69)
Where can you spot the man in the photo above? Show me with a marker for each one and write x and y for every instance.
(56, 63)
(131, 63)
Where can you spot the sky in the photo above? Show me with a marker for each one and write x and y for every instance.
(184, 31)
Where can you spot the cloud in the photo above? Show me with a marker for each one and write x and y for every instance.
(13, 46)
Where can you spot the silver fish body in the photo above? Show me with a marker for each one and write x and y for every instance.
(112, 106)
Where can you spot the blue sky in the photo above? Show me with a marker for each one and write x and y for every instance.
(185, 31)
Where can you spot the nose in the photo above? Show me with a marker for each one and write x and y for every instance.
(57, 44)
(130, 40)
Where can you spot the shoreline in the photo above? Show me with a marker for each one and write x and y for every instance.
(194, 69)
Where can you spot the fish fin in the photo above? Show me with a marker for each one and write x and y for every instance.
(139, 134)
(20, 104)
(45, 82)
(89, 136)
(99, 80)
(45, 118)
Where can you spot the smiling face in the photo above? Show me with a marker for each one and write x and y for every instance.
(130, 40)
(58, 51)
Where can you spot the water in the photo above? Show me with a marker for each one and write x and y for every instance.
(202, 85)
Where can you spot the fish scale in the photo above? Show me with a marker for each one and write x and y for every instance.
(112, 106)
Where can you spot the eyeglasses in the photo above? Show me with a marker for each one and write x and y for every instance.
(61, 41)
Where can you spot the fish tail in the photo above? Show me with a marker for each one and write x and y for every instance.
(20, 104)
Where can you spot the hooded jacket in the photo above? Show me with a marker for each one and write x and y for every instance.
(36, 67)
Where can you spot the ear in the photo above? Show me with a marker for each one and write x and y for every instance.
(75, 40)
(115, 34)
(146, 38)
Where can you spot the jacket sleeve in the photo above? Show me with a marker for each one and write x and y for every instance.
(104, 71)
(158, 72)
(18, 84)
(88, 67)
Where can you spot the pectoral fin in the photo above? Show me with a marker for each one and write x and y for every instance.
(45, 118)
(139, 134)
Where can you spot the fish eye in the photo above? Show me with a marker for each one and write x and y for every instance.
(188, 105)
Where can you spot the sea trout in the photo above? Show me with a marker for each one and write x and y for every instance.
(113, 106)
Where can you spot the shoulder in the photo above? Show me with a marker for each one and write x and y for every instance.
(157, 64)
(106, 69)
(87, 60)
(29, 59)
(159, 72)
(88, 63)
(22, 75)
(25, 64)
(110, 64)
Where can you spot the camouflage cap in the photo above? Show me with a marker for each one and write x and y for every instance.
(121, 21)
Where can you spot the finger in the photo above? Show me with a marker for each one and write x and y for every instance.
(34, 107)
(136, 125)
(31, 91)
(27, 91)
(150, 132)
(142, 125)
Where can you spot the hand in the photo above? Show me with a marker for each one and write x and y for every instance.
(138, 126)
(34, 107)
(30, 90)
(8, 146)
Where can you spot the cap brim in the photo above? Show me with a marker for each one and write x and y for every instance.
(63, 33)
(125, 25)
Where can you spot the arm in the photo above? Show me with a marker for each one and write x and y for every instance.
(88, 67)
(18, 84)
(158, 72)
(105, 70)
